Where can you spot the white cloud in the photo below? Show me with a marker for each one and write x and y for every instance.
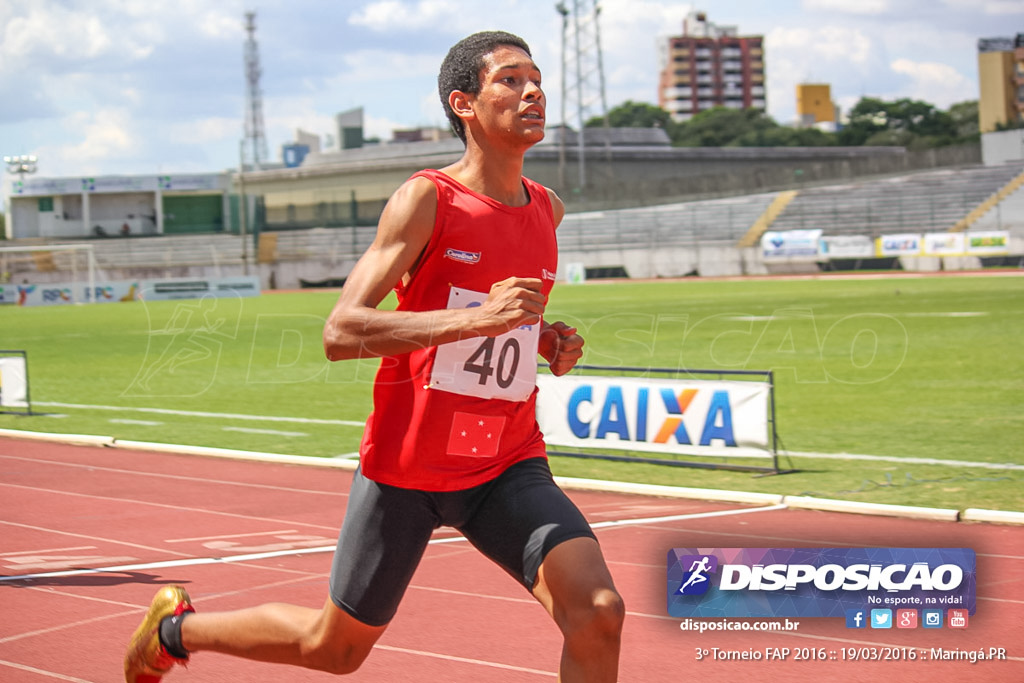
(57, 32)
(102, 135)
(849, 6)
(204, 130)
(392, 15)
(938, 84)
(826, 43)
(843, 57)
(380, 68)
(988, 7)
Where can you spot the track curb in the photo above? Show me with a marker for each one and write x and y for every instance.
(573, 483)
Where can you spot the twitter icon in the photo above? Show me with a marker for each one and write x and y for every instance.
(881, 618)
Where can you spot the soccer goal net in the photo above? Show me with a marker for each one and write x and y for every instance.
(70, 265)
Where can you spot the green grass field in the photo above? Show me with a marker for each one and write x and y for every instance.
(906, 367)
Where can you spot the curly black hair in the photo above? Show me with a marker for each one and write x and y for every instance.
(461, 68)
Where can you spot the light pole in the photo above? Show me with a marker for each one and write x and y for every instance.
(242, 217)
(21, 164)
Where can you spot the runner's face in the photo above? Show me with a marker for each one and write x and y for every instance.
(510, 100)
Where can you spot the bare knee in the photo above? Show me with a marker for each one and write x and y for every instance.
(337, 643)
(332, 657)
(599, 618)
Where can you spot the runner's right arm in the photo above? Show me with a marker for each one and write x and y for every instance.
(357, 329)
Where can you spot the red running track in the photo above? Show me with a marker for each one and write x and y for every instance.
(462, 620)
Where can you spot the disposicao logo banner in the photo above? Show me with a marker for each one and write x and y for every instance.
(817, 582)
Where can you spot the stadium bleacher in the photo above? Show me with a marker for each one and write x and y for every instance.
(928, 201)
(932, 201)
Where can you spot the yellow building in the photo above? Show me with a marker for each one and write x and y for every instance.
(1000, 81)
(814, 104)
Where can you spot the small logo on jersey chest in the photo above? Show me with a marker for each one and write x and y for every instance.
(463, 256)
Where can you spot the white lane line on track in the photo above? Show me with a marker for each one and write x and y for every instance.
(465, 660)
(199, 413)
(141, 423)
(44, 551)
(271, 432)
(223, 536)
(175, 508)
(41, 672)
(181, 477)
(906, 460)
(250, 557)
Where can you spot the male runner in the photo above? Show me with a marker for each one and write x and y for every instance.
(453, 439)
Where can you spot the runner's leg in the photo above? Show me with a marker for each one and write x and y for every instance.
(526, 523)
(328, 639)
(385, 532)
(576, 588)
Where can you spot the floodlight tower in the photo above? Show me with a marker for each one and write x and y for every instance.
(582, 72)
(21, 164)
(255, 137)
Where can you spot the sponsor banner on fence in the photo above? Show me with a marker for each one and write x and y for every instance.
(907, 244)
(50, 294)
(847, 246)
(196, 288)
(693, 417)
(944, 244)
(818, 582)
(55, 293)
(791, 245)
(992, 243)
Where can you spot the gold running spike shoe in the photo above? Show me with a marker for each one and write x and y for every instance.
(146, 660)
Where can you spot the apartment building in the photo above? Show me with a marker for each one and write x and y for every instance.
(710, 66)
(1000, 82)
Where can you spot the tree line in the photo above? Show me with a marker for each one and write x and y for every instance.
(908, 123)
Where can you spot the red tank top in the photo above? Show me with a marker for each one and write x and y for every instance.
(454, 416)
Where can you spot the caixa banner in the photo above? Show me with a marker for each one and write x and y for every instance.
(817, 582)
(694, 417)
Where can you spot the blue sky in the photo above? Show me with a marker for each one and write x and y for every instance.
(104, 87)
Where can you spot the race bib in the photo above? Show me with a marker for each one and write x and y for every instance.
(502, 367)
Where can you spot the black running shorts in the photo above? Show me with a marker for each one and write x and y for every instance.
(515, 520)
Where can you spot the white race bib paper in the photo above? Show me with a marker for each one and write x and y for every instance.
(502, 367)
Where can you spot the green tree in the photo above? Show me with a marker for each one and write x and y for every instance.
(965, 118)
(905, 122)
(631, 114)
(724, 127)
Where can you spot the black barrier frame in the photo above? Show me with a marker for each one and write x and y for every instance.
(28, 397)
(637, 371)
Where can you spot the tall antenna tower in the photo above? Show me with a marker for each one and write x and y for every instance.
(583, 92)
(255, 143)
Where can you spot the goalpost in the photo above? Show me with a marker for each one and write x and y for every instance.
(42, 260)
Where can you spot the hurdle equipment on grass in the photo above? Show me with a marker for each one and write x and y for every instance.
(14, 396)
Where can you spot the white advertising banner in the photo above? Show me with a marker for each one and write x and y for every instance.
(943, 243)
(691, 417)
(994, 242)
(907, 244)
(791, 245)
(847, 246)
(51, 294)
(13, 382)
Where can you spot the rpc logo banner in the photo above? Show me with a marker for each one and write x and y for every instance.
(816, 582)
(699, 417)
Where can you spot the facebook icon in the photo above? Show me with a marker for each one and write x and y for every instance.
(856, 618)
